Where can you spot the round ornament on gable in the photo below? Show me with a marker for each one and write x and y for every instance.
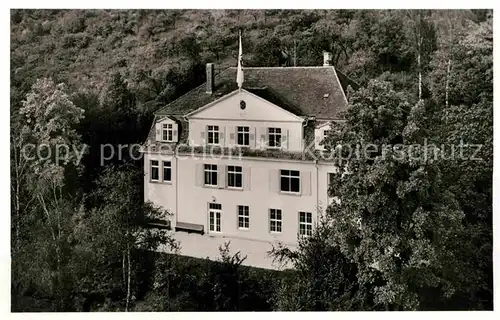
(243, 105)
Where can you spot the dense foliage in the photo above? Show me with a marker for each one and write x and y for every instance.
(407, 233)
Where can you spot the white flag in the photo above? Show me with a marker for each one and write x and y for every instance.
(239, 74)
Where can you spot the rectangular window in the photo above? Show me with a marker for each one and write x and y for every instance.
(243, 217)
(213, 134)
(305, 224)
(326, 133)
(167, 171)
(234, 176)
(275, 221)
(210, 174)
(290, 181)
(155, 170)
(243, 136)
(168, 132)
(274, 137)
(214, 217)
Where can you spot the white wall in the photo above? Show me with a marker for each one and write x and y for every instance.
(259, 115)
(260, 193)
(257, 128)
(162, 194)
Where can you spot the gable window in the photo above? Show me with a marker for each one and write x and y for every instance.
(234, 176)
(155, 170)
(213, 134)
(243, 217)
(290, 180)
(243, 138)
(210, 175)
(305, 224)
(326, 133)
(274, 135)
(275, 221)
(168, 132)
(167, 171)
(214, 217)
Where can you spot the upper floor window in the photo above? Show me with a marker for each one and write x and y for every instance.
(305, 223)
(243, 136)
(168, 132)
(274, 135)
(243, 217)
(155, 170)
(167, 171)
(275, 221)
(210, 174)
(234, 176)
(213, 134)
(290, 180)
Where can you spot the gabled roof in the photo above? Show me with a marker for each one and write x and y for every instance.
(305, 91)
(260, 94)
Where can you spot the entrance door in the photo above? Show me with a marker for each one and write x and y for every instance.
(214, 217)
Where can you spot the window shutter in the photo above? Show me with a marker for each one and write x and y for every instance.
(246, 178)
(305, 183)
(232, 135)
(274, 179)
(175, 130)
(284, 140)
(158, 131)
(263, 137)
(200, 175)
(222, 135)
(317, 141)
(222, 174)
(252, 135)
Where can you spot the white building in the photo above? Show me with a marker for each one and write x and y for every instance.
(231, 163)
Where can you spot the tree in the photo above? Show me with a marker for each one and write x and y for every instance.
(322, 279)
(423, 36)
(46, 149)
(111, 235)
(396, 215)
(467, 119)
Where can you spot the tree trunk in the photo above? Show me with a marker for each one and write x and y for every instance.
(123, 269)
(419, 75)
(294, 53)
(18, 209)
(448, 70)
(16, 196)
(128, 278)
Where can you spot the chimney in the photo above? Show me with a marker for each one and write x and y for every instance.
(327, 58)
(210, 78)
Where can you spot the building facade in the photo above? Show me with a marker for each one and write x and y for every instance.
(239, 163)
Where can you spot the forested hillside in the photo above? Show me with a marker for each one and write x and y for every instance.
(94, 77)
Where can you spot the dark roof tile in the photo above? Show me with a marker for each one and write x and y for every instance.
(306, 91)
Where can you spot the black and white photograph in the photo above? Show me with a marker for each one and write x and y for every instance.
(166, 160)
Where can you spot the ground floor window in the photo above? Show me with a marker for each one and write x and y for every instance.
(275, 220)
(305, 223)
(243, 217)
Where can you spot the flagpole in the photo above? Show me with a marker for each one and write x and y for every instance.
(239, 73)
